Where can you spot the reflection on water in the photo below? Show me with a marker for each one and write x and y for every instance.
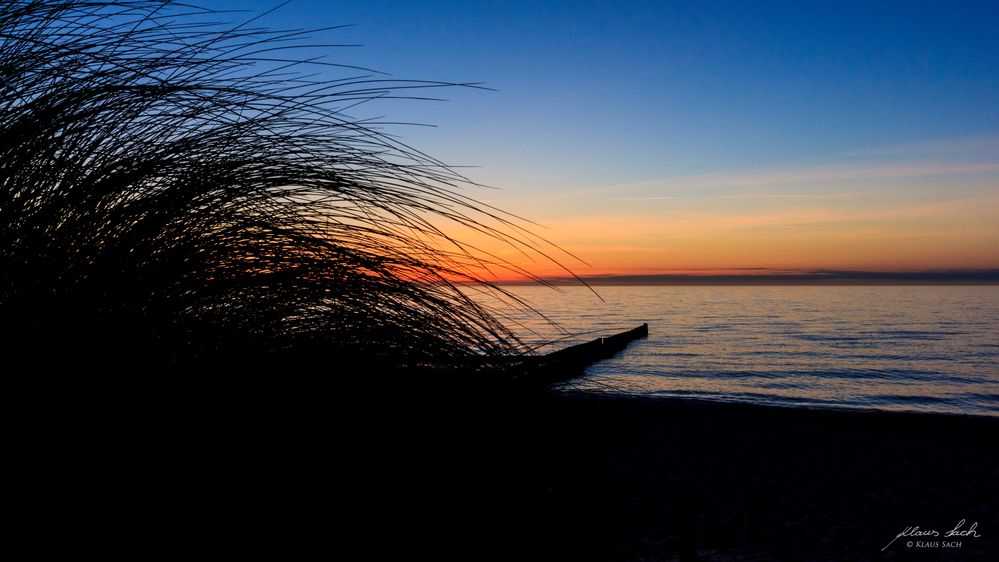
(925, 348)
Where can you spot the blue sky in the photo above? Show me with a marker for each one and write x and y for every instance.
(592, 95)
(605, 92)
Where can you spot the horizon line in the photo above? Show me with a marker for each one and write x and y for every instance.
(768, 276)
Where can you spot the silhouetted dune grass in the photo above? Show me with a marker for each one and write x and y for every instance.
(179, 191)
(181, 198)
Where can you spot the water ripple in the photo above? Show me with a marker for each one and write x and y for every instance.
(930, 349)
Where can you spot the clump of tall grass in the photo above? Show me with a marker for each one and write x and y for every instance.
(175, 191)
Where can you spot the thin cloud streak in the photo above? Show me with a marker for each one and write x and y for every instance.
(967, 157)
(789, 176)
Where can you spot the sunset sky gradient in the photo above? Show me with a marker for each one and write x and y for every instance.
(655, 137)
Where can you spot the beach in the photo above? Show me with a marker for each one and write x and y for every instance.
(670, 480)
(294, 469)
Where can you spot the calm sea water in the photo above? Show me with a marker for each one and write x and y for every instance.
(917, 348)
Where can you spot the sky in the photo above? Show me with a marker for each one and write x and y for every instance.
(655, 137)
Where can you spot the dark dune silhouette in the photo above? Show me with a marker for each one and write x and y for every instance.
(232, 300)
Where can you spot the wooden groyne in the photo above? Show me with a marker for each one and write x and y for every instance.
(598, 349)
(545, 370)
(565, 364)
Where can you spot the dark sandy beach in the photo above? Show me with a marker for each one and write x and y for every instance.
(587, 477)
(398, 476)
(666, 479)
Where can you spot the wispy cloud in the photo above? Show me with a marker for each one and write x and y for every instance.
(963, 159)
(806, 177)
(971, 147)
(744, 196)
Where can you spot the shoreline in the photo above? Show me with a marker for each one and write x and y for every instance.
(709, 402)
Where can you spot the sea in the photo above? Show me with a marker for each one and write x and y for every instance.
(901, 348)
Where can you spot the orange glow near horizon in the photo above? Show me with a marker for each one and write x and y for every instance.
(868, 218)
